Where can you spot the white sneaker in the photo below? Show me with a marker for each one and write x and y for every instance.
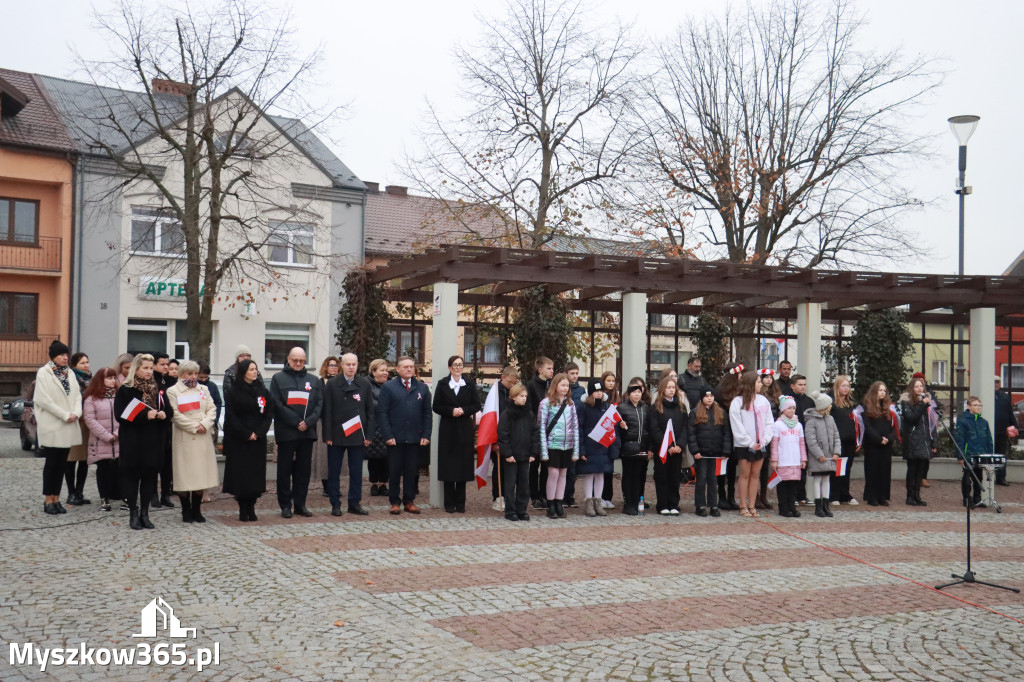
(607, 504)
(499, 504)
(673, 512)
(665, 512)
(853, 502)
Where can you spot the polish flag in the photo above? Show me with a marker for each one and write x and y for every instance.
(774, 480)
(189, 402)
(721, 466)
(841, 466)
(604, 431)
(298, 398)
(352, 425)
(667, 441)
(133, 410)
(486, 436)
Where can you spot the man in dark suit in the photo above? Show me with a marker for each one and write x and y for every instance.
(405, 419)
(348, 424)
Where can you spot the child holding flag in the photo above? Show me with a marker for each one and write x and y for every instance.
(519, 444)
(600, 446)
(710, 442)
(559, 440)
(789, 455)
(823, 449)
(668, 428)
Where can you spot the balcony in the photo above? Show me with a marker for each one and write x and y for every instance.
(25, 354)
(41, 257)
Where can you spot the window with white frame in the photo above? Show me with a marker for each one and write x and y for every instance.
(939, 375)
(147, 336)
(291, 244)
(1013, 375)
(280, 338)
(490, 350)
(156, 232)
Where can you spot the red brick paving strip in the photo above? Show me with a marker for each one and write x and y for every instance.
(538, 534)
(619, 567)
(546, 626)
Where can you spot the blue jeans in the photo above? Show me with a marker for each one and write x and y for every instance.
(335, 454)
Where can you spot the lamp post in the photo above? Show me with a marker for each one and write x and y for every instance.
(963, 127)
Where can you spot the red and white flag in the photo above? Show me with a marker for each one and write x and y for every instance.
(604, 431)
(721, 466)
(667, 441)
(486, 436)
(841, 466)
(352, 425)
(133, 410)
(298, 398)
(774, 480)
(189, 402)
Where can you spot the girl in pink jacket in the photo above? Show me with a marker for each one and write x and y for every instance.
(99, 416)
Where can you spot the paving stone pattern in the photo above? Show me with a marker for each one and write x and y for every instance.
(474, 597)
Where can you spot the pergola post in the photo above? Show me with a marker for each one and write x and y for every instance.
(983, 360)
(634, 336)
(808, 344)
(445, 342)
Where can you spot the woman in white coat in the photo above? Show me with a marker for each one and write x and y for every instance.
(58, 407)
(193, 457)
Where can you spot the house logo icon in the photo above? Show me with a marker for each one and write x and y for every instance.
(158, 615)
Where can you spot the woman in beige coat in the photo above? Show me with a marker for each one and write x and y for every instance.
(193, 457)
(58, 407)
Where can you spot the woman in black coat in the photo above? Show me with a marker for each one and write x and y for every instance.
(842, 414)
(247, 418)
(880, 432)
(710, 439)
(636, 446)
(668, 474)
(377, 452)
(456, 400)
(142, 412)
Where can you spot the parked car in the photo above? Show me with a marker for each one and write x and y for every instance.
(27, 429)
(13, 408)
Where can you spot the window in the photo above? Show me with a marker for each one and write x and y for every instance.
(770, 355)
(291, 243)
(19, 314)
(19, 221)
(156, 232)
(147, 336)
(1013, 376)
(490, 353)
(663, 357)
(281, 338)
(406, 341)
(938, 375)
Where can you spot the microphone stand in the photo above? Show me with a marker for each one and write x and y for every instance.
(968, 576)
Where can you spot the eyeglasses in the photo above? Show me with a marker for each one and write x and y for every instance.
(457, 365)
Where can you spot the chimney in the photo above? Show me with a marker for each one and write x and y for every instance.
(166, 87)
(372, 187)
(397, 190)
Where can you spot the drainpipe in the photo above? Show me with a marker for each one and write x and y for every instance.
(362, 232)
(78, 201)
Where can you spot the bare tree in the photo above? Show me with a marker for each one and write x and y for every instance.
(546, 92)
(192, 90)
(782, 137)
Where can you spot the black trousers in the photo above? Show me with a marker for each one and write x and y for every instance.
(634, 480)
(970, 488)
(570, 484)
(335, 457)
(455, 495)
(107, 479)
(801, 494)
(877, 474)
(403, 469)
(839, 486)
(915, 474)
(787, 492)
(667, 477)
(53, 469)
(706, 493)
(609, 486)
(515, 479)
(727, 482)
(294, 464)
(75, 474)
(377, 469)
(166, 473)
(137, 484)
(539, 479)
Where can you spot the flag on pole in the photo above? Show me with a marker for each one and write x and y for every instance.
(298, 398)
(841, 466)
(604, 431)
(352, 425)
(721, 466)
(486, 436)
(189, 402)
(668, 440)
(133, 410)
(774, 480)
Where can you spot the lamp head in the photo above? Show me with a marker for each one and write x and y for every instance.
(963, 127)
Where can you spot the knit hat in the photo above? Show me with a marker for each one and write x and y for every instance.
(594, 386)
(634, 387)
(58, 348)
(918, 375)
(822, 401)
(786, 401)
(242, 350)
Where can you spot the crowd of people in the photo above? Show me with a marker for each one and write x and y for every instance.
(149, 424)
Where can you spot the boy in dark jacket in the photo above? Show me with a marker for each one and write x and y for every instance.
(973, 437)
(519, 444)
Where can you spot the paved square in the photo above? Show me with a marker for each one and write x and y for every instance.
(475, 597)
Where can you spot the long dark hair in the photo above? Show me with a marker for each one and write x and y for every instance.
(96, 389)
(872, 405)
(748, 389)
(659, 402)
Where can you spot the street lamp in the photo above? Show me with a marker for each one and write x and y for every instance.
(963, 127)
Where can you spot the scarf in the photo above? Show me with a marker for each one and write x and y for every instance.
(109, 392)
(62, 376)
(790, 423)
(82, 377)
(190, 383)
(150, 392)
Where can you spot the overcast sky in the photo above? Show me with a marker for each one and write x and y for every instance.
(384, 58)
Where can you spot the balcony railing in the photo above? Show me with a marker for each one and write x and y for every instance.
(43, 255)
(25, 354)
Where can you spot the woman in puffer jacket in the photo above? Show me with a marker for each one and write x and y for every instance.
(917, 432)
(635, 450)
(103, 445)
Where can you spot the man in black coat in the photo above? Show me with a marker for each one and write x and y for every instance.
(161, 371)
(297, 404)
(537, 390)
(348, 424)
(692, 383)
(405, 419)
(1004, 418)
(785, 382)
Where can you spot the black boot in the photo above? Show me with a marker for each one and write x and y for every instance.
(186, 509)
(144, 517)
(825, 507)
(133, 518)
(252, 510)
(559, 509)
(818, 508)
(197, 501)
(243, 510)
(165, 500)
(154, 501)
(552, 514)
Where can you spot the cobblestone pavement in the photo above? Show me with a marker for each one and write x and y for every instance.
(475, 597)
